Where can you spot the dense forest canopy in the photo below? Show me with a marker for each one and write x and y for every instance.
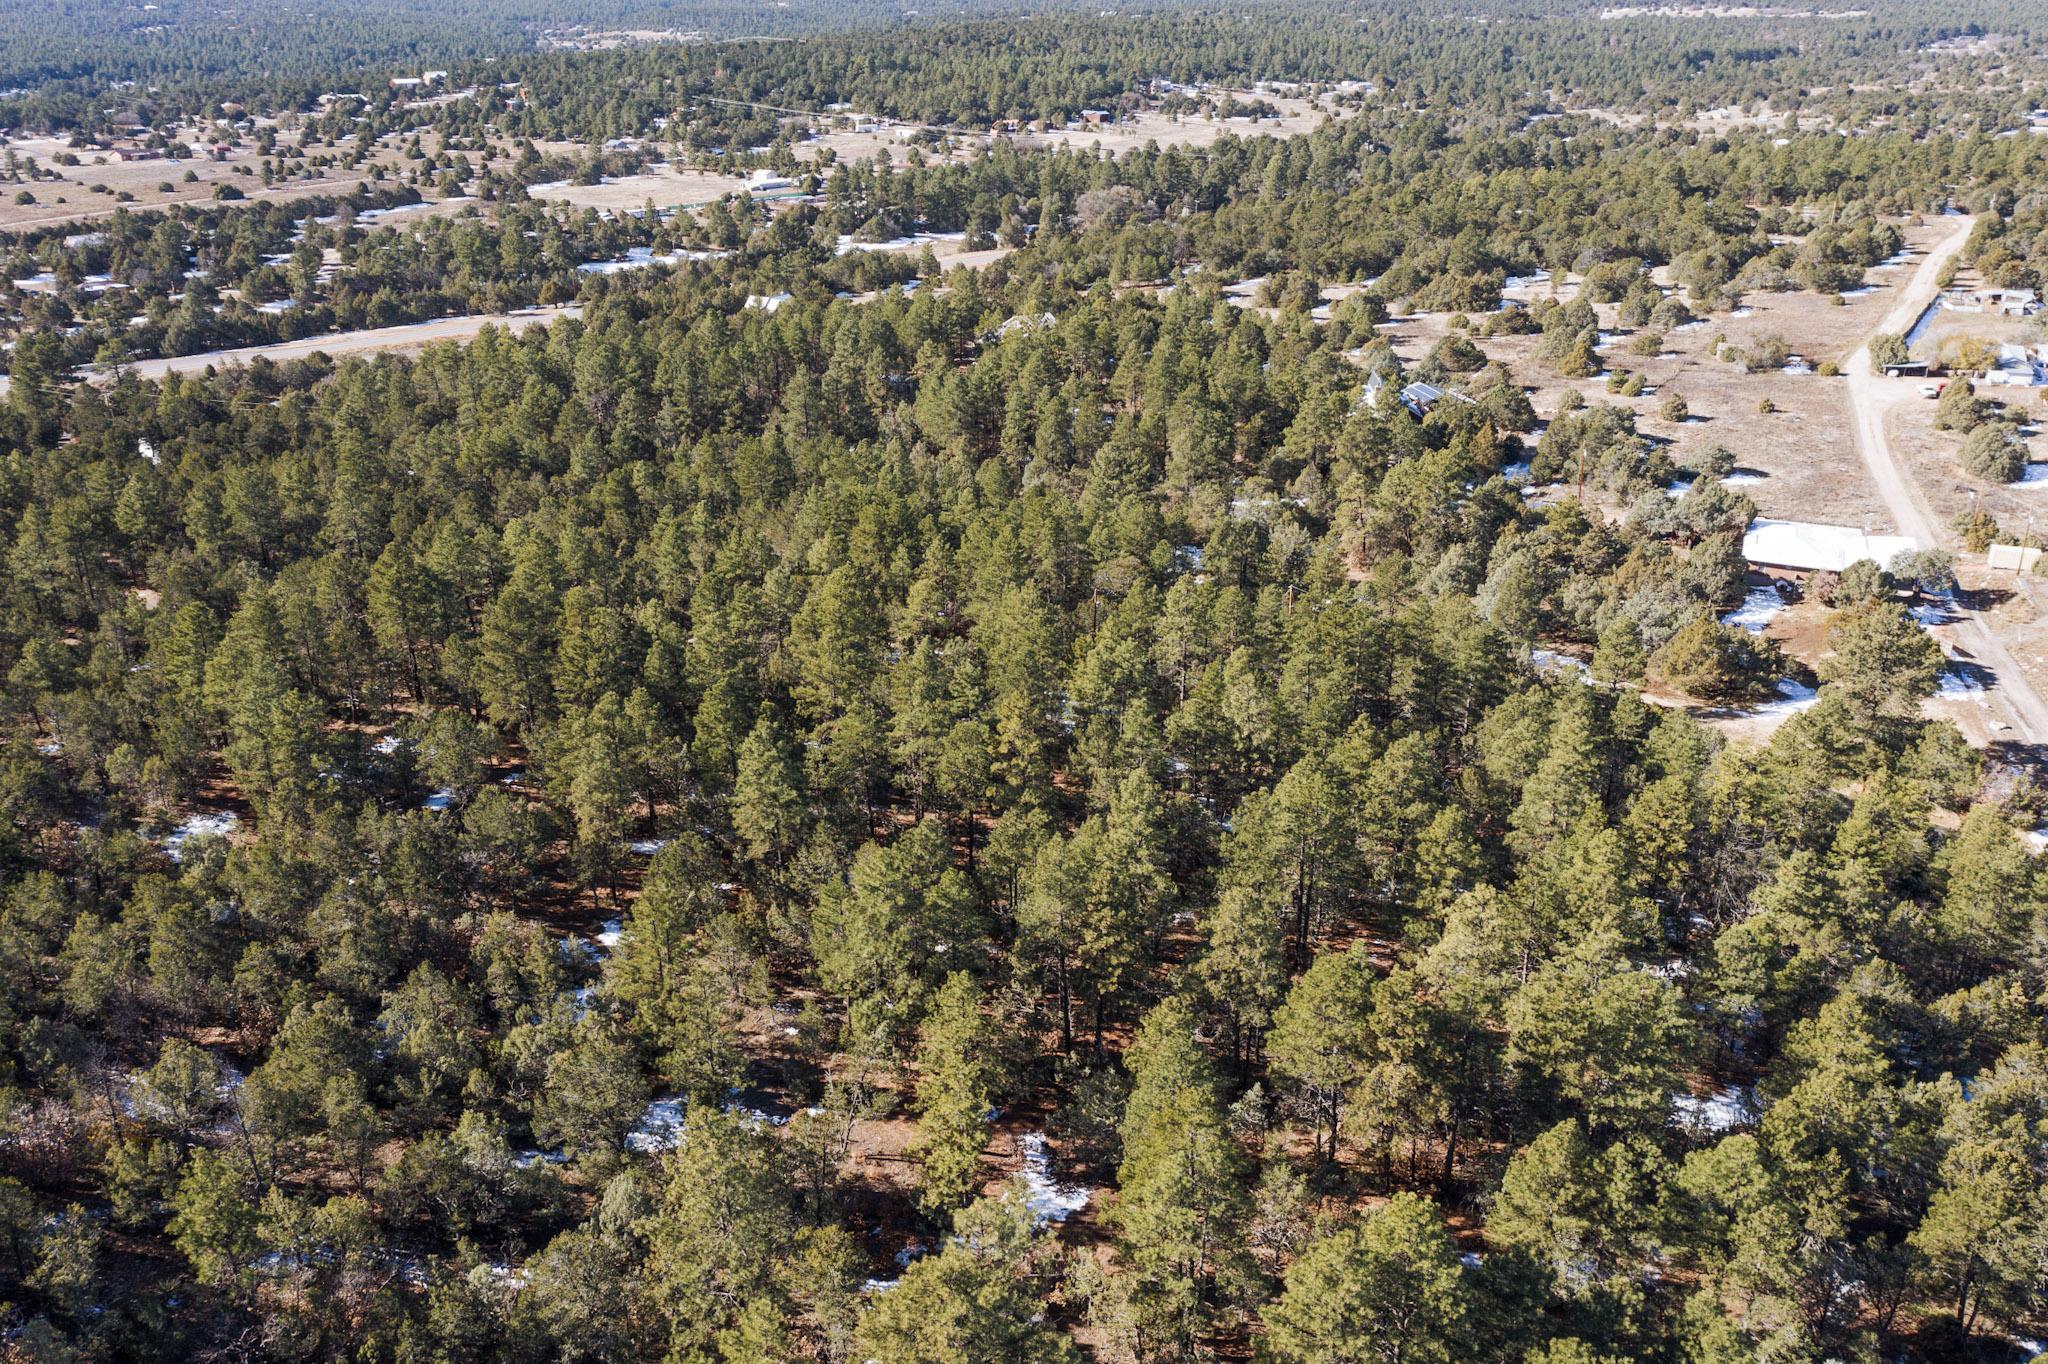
(973, 63)
(831, 807)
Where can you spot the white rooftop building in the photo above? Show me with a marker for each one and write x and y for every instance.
(1810, 547)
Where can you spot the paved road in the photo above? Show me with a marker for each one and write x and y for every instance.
(338, 344)
(1871, 397)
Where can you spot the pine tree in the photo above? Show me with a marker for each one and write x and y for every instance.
(1322, 1039)
(1388, 1289)
(955, 1088)
(1182, 1182)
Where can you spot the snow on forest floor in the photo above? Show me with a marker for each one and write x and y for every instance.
(1722, 1111)
(200, 824)
(660, 1127)
(1049, 1200)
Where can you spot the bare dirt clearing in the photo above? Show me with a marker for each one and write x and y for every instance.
(339, 344)
(665, 187)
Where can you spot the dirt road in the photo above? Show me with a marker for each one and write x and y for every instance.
(369, 341)
(1871, 397)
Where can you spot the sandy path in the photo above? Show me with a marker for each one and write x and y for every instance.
(1871, 397)
(368, 341)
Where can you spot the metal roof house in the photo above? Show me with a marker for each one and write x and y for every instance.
(1810, 547)
(1417, 397)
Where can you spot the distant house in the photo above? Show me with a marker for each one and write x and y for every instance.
(1096, 116)
(767, 303)
(1906, 369)
(1020, 323)
(1811, 547)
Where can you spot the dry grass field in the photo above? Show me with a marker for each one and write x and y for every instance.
(665, 187)
(151, 184)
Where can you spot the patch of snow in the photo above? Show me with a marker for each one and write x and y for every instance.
(643, 258)
(389, 744)
(503, 1275)
(1758, 609)
(214, 824)
(660, 1127)
(1048, 1200)
(1743, 312)
(1551, 661)
(1793, 697)
(527, 1160)
(847, 245)
(440, 800)
(608, 934)
(647, 847)
(1722, 1111)
(1955, 686)
(754, 1116)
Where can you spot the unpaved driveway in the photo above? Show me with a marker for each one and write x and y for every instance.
(1871, 396)
(373, 339)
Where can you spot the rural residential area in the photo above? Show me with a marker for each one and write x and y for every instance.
(737, 683)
